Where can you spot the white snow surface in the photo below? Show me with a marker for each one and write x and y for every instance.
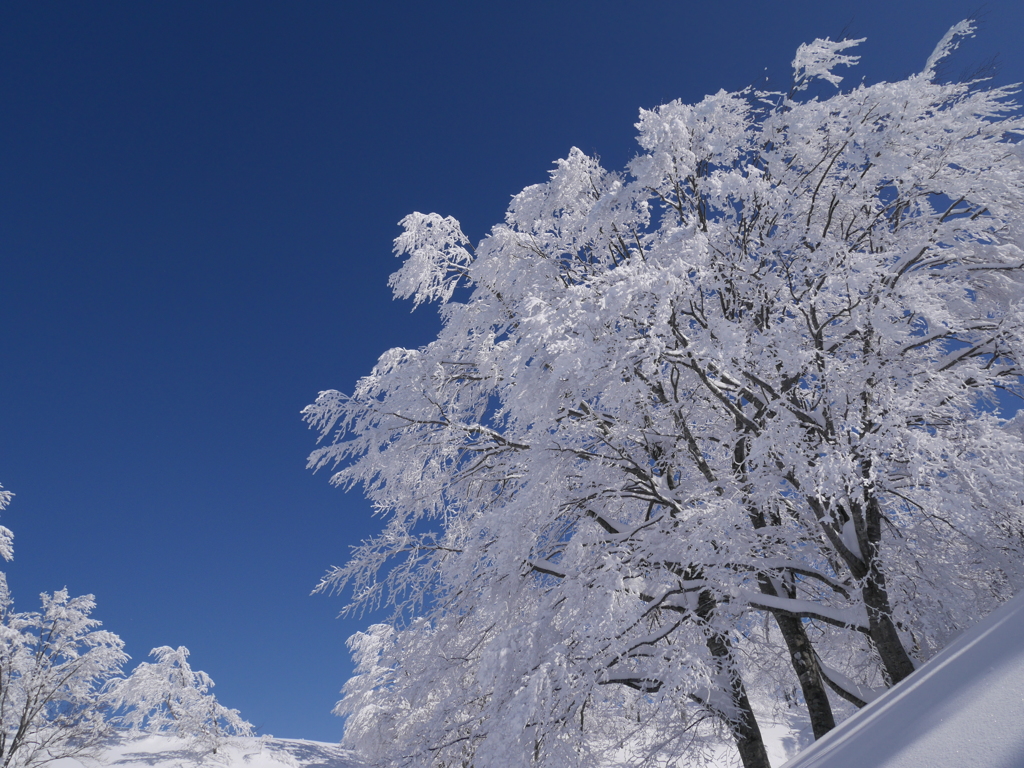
(173, 752)
(965, 707)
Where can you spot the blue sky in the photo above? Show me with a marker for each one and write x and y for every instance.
(197, 203)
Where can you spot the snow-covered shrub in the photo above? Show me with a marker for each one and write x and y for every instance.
(169, 697)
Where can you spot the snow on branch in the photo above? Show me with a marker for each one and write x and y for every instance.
(854, 618)
(437, 259)
(818, 59)
(6, 536)
(949, 43)
(857, 694)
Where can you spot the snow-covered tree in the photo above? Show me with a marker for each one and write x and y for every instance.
(53, 664)
(168, 696)
(61, 694)
(719, 427)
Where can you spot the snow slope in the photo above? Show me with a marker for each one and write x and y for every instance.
(168, 752)
(963, 708)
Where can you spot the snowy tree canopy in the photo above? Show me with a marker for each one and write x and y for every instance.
(718, 430)
(818, 59)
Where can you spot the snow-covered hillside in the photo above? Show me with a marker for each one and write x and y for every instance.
(167, 752)
(965, 707)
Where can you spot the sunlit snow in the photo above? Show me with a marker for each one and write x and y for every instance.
(965, 707)
(168, 752)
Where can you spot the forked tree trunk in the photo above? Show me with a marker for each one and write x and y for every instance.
(863, 565)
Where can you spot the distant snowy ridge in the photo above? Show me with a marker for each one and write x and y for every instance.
(172, 752)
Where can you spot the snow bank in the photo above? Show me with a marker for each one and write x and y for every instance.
(964, 707)
(170, 752)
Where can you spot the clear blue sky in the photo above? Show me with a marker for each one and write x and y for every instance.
(197, 203)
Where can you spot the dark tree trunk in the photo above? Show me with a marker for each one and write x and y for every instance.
(884, 637)
(801, 654)
(868, 522)
(741, 720)
(805, 664)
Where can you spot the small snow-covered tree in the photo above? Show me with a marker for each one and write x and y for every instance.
(714, 428)
(61, 694)
(53, 664)
(168, 696)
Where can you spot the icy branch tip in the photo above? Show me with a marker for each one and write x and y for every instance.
(949, 43)
(819, 58)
